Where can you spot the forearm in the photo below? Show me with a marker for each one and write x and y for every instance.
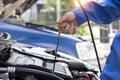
(102, 13)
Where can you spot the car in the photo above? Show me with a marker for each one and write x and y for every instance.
(28, 53)
(41, 38)
(46, 37)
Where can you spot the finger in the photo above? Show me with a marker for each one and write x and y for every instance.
(62, 19)
(75, 27)
(62, 26)
(67, 28)
(71, 28)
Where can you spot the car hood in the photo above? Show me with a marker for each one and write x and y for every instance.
(8, 6)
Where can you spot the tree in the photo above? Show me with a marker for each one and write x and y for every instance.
(49, 16)
(51, 4)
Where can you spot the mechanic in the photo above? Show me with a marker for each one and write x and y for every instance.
(103, 13)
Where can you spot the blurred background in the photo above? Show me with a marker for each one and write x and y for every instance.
(46, 12)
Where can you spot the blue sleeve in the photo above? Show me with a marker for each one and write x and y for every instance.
(102, 13)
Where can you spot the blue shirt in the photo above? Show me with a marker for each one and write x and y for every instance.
(104, 13)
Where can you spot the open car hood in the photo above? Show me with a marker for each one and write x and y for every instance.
(7, 6)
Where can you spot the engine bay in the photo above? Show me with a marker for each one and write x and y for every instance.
(25, 62)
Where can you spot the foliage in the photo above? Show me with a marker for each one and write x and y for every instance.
(51, 4)
(69, 5)
(82, 30)
(48, 14)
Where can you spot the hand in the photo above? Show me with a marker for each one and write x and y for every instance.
(68, 23)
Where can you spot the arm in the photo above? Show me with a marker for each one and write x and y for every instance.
(102, 13)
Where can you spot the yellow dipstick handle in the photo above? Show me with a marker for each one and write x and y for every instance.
(60, 30)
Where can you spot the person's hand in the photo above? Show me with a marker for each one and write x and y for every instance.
(67, 23)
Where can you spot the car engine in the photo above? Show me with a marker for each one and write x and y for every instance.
(25, 62)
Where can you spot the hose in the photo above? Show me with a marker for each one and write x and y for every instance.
(38, 73)
(5, 64)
